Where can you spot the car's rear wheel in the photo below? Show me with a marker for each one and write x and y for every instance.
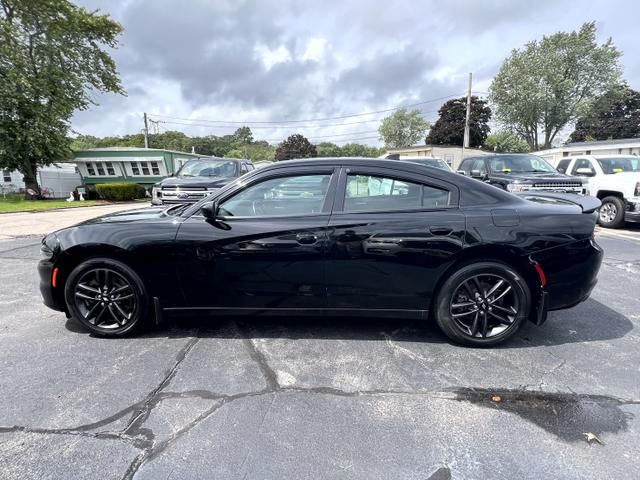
(611, 214)
(482, 304)
(107, 297)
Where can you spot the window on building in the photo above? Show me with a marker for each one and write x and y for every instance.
(110, 170)
(90, 169)
(155, 168)
(6, 176)
(145, 168)
(99, 169)
(134, 168)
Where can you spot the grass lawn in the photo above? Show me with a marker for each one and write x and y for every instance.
(17, 203)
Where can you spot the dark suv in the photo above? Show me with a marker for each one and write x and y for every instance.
(198, 178)
(520, 173)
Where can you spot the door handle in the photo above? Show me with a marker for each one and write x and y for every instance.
(440, 230)
(306, 238)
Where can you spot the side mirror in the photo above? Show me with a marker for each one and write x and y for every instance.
(476, 174)
(585, 172)
(461, 172)
(210, 211)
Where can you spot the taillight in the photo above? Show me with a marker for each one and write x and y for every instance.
(541, 274)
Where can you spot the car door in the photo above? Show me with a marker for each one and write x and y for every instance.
(391, 237)
(266, 248)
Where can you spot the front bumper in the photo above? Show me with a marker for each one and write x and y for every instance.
(633, 211)
(50, 297)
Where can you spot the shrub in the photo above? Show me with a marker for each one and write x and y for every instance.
(120, 191)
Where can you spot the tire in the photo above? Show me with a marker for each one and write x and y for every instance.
(461, 314)
(119, 310)
(611, 213)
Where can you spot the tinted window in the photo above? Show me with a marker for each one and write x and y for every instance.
(479, 164)
(465, 166)
(293, 195)
(563, 165)
(208, 168)
(366, 193)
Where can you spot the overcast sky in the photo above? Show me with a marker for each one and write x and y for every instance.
(270, 61)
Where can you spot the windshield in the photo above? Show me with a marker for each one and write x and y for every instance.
(612, 165)
(208, 168)
(432, 162)
(520, 164)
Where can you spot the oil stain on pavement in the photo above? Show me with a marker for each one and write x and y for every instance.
(568, 416)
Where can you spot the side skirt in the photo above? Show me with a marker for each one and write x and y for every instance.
(329, 312)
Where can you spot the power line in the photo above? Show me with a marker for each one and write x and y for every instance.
(272, 122)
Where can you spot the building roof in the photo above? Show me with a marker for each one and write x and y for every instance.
(134, 149)
(596, 143)
(424, 147)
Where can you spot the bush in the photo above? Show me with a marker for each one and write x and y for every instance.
(120, 191)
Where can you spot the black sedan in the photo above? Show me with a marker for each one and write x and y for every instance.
(333, 237)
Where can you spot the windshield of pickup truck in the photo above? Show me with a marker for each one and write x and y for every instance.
(612, 165)
(431, 162)
(208, 168)
(520, 164)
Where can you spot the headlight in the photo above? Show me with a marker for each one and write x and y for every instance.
(517, 187)
(155, 192)
(50, 245)
(636, 193)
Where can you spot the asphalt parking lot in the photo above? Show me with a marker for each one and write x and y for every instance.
(289, 398)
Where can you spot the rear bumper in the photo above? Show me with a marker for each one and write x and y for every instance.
(572, 273)
(50, 298)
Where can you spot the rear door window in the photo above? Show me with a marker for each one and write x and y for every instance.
(563, 165)
(370, 193)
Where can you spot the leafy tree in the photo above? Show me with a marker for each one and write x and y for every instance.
(328, 149)
(506, 142)
(617, 116)
(403, 128)
(52, 55)
(552, 82)
(243, 136)
(449, 128)
(255, 152)
(296, 146)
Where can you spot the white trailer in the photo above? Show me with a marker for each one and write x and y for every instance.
(57, 180)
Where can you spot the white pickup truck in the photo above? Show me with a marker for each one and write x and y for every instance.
(614, 179)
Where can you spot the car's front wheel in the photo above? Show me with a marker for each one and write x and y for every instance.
(482, 304)
(611, 214)
(107, 297)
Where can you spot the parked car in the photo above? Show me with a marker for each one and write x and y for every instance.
(352, 237)
(614, 179)
(520, 173)
(428, 162)
(198, 178)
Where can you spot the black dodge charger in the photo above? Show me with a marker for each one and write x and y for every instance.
(333, 237)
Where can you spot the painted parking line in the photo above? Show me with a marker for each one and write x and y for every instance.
(625, 234)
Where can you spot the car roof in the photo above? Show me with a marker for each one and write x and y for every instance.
(449, 176)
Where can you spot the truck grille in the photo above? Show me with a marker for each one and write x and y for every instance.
(571, 185)
(183, 194)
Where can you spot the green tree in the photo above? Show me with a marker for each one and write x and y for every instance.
(52, 55)
(552, 82)
(243, 136)
(328, 149)
(506, 142)
(255, 152)
(296, 146)
(617, 115)
(403, 128)
(449, 128)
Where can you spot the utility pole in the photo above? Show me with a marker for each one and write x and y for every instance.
(465, 142)
(146, 129)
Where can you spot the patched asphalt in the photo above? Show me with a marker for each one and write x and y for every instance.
(332, 398)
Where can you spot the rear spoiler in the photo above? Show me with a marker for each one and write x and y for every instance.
(587, 203)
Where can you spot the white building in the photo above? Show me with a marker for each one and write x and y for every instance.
(56, 180)
(452, 154)
(623, 146)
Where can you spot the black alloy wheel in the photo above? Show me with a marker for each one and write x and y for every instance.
(106, 296)
(482, 304)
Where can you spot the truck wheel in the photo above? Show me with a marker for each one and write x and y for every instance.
(611, 214)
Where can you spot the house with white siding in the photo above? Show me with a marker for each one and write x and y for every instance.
(623, 146)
